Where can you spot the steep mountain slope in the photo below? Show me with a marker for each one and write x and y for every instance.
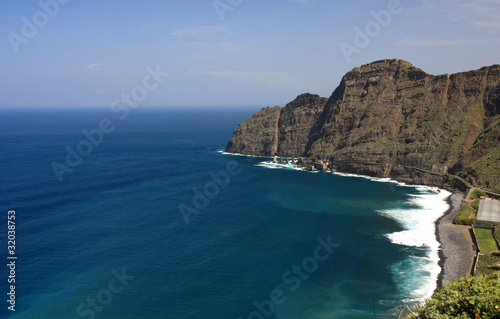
(279, 131)
(390, 118)
(258, 135)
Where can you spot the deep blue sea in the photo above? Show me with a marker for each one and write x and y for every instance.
(153, 221)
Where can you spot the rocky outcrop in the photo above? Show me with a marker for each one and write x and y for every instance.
(258, 135)
(392, 119)
(297, 119)
(275, 130)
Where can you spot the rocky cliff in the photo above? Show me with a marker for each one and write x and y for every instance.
(274, 130)
(392, 119)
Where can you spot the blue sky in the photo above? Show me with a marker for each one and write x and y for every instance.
(262, 53)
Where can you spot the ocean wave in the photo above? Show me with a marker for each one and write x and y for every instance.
(416, 275)
(418, 219)
(242, 155)
(386, 180)
(273, 165)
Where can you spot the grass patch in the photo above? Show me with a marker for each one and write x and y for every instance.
(477, 194)
(475, 204)
(486, 241)
(467, 215)
(486, 261)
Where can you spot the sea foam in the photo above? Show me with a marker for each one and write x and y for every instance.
(238, 154)
(416, 275)
(418, 220)
(281, 165)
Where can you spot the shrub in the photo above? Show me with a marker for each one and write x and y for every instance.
(486, 265)
(475, 204)
(470, 297)
(477, 194)
(467, 215)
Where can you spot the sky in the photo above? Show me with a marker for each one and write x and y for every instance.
(225, 53)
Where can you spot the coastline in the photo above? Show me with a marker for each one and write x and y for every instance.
(455, 252)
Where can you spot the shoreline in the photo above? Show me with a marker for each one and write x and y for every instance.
(455, 251)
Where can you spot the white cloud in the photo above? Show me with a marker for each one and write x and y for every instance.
(196, 32)
(267, 79)
(210, 40)
(439, 42)
(479, 13)
(487, 24)
(238, 74)
(95, 67)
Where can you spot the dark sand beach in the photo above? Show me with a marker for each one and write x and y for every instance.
(457, 252)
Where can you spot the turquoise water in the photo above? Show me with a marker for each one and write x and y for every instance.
(155, 222)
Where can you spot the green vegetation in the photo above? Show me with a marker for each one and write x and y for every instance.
(487, 169)
(477, 194)
(497, 233)
(471, 297)
(475, 204)
(467, 215)
(467, 128)
(485, 240)
(488, 264)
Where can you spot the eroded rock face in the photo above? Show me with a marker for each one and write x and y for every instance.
(395, 115)
(258, 135)
(295, 124)
(284, 131)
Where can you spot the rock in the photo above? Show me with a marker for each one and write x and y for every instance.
(279, 131)
(391, 119)
(258, 135)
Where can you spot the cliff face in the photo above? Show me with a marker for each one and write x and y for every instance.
(295, 124)
(258, 135)
(395, 115)
(279, 131)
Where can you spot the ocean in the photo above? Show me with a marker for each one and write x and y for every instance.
(146, 217)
